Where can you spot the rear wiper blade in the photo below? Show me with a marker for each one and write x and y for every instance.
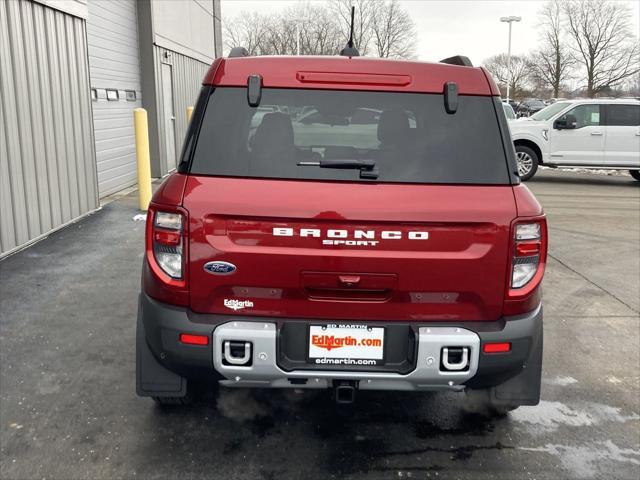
(341, 163)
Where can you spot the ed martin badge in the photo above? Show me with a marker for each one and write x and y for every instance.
(234, 304)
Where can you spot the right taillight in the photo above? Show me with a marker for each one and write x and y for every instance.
(528, 259)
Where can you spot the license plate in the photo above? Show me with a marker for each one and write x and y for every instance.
(346, 344)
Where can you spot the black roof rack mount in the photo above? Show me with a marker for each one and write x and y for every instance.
(458, 60)
(238, 52)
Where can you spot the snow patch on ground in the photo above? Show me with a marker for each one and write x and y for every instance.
(592, 171)
(561, 381)
(587, 461)
(549, 416)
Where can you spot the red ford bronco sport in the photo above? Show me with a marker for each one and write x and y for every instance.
(344, 223)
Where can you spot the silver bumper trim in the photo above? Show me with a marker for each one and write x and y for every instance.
(264, 371)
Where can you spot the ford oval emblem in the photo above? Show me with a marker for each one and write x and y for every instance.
(220, 268)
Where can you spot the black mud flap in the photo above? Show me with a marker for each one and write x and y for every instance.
(152, 378)
(524, 388)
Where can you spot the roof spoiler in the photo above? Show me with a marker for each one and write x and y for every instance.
(459, 60)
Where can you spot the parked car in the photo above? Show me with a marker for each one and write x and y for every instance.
(398, 251)
(528, 107)
(508, 111)
(580, 133)
(513, 104)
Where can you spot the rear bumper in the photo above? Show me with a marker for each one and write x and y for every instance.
(162, 325)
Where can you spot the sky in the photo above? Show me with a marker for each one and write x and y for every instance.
(452, 27)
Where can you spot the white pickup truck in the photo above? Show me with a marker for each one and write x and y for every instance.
(599, 133)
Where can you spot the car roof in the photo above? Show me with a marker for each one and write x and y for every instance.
(350, 73)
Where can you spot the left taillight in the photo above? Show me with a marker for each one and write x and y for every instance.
(168, 242)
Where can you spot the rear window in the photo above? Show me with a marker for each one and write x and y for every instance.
(623, 115)
(409, 136)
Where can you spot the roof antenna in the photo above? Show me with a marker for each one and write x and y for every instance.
(350, 50)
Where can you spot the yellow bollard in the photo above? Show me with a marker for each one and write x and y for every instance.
(141, 127)
(189, 113)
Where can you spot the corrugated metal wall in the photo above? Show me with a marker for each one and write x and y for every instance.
(114, 63)
(77, 8)
(47, 161)
(188, 74)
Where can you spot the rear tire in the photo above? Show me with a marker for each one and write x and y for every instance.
(481, 401)
(528, 161)
(635, 174)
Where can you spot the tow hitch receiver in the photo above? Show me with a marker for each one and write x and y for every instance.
(237, 353)
(455, 359)
(345, 391)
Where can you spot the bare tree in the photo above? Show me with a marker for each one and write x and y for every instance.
(604, 44)
(552, 63)
(516, 73)
(633, 86)
(380, 27)
(366, 11)
(318, 29)
(393, 31)
(280, 34)
(246, 30)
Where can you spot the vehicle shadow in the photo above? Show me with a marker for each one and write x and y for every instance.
(302, 434)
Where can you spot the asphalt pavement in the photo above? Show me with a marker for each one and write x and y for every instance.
(68, 408)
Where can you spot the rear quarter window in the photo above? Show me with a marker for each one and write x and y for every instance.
(410, 136)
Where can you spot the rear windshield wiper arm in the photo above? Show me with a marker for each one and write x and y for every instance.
(341, 163)
(367, 167)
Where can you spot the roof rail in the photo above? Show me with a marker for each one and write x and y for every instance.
(458, 60)
(238, 52)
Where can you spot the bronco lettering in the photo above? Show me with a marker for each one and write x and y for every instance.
(347, 235)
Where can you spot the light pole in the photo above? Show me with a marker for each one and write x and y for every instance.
(509, 20)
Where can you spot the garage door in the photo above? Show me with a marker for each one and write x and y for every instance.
(114, 69)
